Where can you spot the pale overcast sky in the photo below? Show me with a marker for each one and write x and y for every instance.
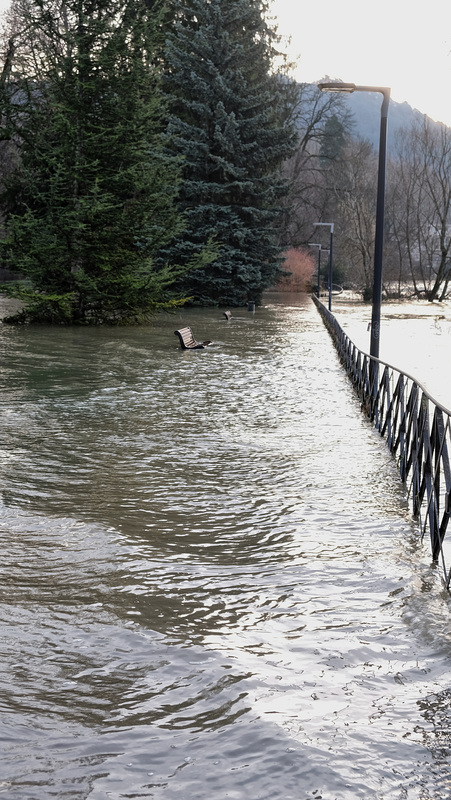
(396, 43)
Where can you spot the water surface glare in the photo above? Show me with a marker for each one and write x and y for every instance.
(211, 584)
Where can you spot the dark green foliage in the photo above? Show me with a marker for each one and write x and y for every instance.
(333, 141)
(92, 198)
(231, 123)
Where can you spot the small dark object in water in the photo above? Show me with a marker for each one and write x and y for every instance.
(227, 314)
(187, 340)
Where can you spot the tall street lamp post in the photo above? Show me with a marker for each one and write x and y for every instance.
(337, 86)
(331, 226)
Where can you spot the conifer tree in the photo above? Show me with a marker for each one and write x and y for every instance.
(333, 140)
(92, 197)
(230, 120)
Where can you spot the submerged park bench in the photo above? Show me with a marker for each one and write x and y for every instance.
(187, 340)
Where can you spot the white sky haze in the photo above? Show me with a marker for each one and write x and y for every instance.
(402, 44)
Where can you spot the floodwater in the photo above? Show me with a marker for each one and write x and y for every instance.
(415, 337)
(211, 583)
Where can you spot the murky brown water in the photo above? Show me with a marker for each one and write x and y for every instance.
(211, 586)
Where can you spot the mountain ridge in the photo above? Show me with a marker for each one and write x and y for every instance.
(365, 108)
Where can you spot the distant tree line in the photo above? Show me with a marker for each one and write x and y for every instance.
(334, 179)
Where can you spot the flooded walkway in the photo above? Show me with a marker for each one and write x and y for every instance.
(211, 584)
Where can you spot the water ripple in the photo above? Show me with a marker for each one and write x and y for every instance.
(211, 584)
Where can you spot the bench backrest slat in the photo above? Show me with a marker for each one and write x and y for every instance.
(186, 337)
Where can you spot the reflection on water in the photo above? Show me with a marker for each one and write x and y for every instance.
(415, 338)
(211, 583)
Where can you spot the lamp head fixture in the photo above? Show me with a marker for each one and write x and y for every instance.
(328, 224)
(348, 88)
(337, 86)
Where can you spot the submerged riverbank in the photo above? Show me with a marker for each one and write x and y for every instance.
(415, 338)
(212, 585)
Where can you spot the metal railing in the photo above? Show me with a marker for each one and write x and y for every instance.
(418, 432)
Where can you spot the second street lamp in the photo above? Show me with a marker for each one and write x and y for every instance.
(321, 249)
(314, 244)
(331, 226)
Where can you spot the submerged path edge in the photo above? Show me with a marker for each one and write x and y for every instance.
(417, 430)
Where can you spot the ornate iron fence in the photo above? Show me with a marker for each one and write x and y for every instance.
(418, 432)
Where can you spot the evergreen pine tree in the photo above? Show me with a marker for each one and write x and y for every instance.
(230, 121)
(92, 197)
(333, 140)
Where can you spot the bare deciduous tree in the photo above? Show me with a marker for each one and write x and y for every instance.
(309, 198)
(355, 180)
(420, 207)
